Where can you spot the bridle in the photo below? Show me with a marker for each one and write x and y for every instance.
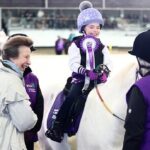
(91, 42)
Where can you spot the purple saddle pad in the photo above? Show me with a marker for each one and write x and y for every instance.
(73, 123)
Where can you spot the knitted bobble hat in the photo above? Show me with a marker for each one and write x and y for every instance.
(88, 15)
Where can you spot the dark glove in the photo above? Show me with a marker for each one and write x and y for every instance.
(92, 75)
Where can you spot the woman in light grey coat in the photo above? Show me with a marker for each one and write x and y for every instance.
(16, 115)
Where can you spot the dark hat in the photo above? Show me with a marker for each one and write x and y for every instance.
(19, 39)
(141, 46)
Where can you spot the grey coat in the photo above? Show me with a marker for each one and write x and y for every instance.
(16, 115)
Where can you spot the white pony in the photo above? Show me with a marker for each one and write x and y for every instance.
(99, 130)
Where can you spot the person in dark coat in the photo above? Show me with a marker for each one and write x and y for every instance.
(137, 123)
(4, 27)
(59, 45)
(37, 104)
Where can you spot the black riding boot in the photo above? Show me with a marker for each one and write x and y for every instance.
(55, 133)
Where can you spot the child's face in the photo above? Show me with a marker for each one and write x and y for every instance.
(92, 29)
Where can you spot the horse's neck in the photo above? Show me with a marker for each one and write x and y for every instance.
(118, 83)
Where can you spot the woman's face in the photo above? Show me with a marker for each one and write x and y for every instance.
(92, 29)
(23, 60)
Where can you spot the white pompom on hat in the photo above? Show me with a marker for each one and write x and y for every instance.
(84, 5)
(88, 15)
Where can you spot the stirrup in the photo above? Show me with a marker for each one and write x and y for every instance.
(53, 135)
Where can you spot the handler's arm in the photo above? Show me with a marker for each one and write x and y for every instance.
(135, 121)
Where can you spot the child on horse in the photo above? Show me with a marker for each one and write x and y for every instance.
(86, 53)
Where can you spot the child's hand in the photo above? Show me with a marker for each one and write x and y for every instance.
(92, 75)
(103, 78)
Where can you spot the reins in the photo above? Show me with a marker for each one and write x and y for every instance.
(104, 104)
(90, 41)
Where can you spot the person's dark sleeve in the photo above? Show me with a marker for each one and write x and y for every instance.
(135, 120)
(38, 110)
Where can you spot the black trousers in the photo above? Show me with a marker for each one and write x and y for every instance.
(30, 145)
(75, 98)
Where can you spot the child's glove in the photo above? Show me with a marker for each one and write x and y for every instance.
(92, 75)
(103, 77)
(103, 73)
